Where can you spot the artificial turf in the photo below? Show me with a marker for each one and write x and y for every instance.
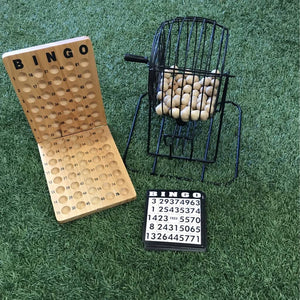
(252, 224)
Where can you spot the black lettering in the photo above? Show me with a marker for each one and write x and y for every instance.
(35, 60)
(18, 64)
(68, 53)
(83, 49)
(51, 56)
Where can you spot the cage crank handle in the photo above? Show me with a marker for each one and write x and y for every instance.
(136, 58)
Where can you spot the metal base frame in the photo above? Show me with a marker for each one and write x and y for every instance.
(172, 140)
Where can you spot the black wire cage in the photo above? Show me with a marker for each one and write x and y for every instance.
(187, 88)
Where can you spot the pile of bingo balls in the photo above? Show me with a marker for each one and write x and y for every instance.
(186, 96)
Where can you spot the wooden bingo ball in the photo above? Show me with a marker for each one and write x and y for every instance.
(195, 115)
(162, 109)
(185, 113)
(187, 89)
(174, 112)
(185, 99)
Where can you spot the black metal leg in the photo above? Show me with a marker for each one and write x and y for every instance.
(179, 135)
(132, 127)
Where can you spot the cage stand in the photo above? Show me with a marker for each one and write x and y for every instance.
(187, 45)
(177, 136)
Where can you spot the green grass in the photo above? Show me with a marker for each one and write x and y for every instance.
(253, 224)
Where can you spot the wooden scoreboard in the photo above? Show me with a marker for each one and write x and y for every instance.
(58, 87)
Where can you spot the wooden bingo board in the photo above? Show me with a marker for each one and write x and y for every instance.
(58, 87)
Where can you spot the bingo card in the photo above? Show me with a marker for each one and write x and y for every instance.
(175, 220)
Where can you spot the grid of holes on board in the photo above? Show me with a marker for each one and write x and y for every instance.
(85, 173)
(60, 101)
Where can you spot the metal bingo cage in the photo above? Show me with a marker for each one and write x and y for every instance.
(187, 88)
